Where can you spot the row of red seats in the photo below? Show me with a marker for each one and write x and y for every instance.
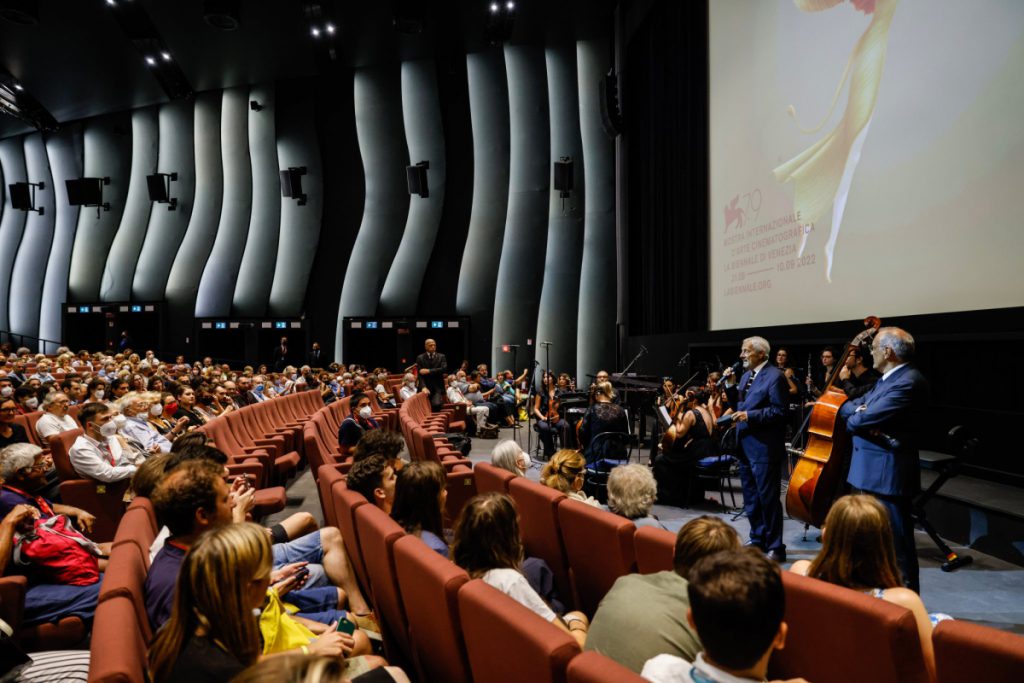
(320, 433)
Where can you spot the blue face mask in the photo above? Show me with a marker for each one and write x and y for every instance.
(259, 388)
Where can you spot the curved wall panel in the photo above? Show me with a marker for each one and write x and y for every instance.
(187, 270)
(30, 264)
(488, 107)
(596, 335)
(378, 107)
(556, 320)
(124, 252)
(167, 228)
(297, 145)
(218, 282)
(256, 274)
(425, 135)
(107, 153)
(64, 153)
(520, 272)
(12, 223)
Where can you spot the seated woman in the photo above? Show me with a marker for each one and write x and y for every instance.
(857, 552)
(690, 439)
(509, 456)
(10, 432)
(545, 412)
(419, 503)
(488, 546)
(564, 472)
(631, 494)
(601, 417)
(211, 634)
(356, 424)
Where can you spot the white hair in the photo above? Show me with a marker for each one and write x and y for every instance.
(16, 457)
(759, 344)
(899, 340)
(506, 456)
(631, 491)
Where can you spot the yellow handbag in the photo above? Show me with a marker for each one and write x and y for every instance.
(281, 632)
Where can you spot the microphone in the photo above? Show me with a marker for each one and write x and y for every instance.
(547, 343)
(644, 348)
(736, 367)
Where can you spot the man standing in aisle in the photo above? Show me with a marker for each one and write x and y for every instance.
(760, 416)
(432, 366)
(885, 424)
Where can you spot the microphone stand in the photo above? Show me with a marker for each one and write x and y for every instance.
(529, 407)
(643, 350)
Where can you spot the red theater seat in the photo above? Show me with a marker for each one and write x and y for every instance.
(592, 667)
(599, 547)
(964, 651)
(118, 651)
(655, 549)
(541, 531)
(491, 479)
(507, 642)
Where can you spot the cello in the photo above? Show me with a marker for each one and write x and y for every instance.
(817, 476)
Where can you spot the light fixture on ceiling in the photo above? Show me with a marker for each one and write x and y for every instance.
(166, 56)
(150, 60)
(499, 21)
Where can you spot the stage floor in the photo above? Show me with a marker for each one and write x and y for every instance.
(989, 591)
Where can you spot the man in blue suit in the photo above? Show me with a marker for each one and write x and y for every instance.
(885, 424)
(760, 398)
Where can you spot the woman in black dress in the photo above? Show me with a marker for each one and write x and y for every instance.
(603, 416)
(690, 438)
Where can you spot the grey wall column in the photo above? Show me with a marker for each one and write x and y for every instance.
(218, 282)
(167, 228)
(489, 111)
(425, 136)
(378, 109)
(107, 145)
(256, 275)
(596, 334)
(12, 223)
(187, 270)
(124, 252)
(520, 273)
(30, 266)
(297, 145)
(64, 151)
(556, 320)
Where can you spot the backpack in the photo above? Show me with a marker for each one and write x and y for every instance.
(58, 553)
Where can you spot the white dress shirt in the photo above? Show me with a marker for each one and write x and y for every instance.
(96, 460)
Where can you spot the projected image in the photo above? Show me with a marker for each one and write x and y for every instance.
(864, 156)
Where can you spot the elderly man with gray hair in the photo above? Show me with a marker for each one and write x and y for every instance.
(632, 492)
(886, 424)
(760, 397)
(55, 418)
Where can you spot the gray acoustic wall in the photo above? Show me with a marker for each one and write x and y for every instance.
(556, 320)
(12, 222)
(379, 125)
(424, 135)
(521, 270)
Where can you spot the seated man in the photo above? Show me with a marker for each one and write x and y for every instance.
(652, 607)
(456, 397)
(736, 605)
(374, 478)
(98, 454)
(193, 497)
(135, 407)
(408, 389)
(23, 468)
(380, 442)
(55, 418)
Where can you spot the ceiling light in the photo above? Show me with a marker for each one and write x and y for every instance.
(150, 61)
(330, 28)
(510, 5)
(315, 31)
(18, 87)
(112, 3)
(166, 56)
(494, 7)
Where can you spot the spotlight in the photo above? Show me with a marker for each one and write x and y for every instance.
(510, 5)
(18, 87)
(494, 8)
(112, 3)
(315, 31)
(499, 22)
(150, 61)
(330, 29)
(166, 56)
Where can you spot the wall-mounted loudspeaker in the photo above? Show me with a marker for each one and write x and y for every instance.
(291, 183)
(564, 177)
(159, 186)
(87, 192)
(23, 196)
(416, 177)
(611, 105)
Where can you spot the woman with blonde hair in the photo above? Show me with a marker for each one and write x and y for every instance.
(857, 552)
(564, 472)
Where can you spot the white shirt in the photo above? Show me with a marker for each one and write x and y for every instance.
(672, 669)
(885, 375)
(514, 585)
(407, 392)
(145, 433)
(49, 424)
(90, 458)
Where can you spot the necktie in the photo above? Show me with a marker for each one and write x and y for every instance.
(753, 374)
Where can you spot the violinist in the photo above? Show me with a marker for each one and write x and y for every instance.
(690, 438)
(669, 397)
(545, 411)
(857, 376)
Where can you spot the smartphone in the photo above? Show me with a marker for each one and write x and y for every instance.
(300, 574)
(346, 626)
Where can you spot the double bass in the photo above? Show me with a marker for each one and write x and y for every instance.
(817, 477)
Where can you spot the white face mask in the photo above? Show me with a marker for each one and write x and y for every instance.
(108, 429)
(119, 420)
(365, 412)
(157, 410)
(32, 403)
(6, 392)
(98, 394)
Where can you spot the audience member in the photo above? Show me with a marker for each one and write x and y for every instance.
(418, 507)
(564, 472)
(509, 456)
(55, 418)
(632, 492)
(10, 432)
(97, 454)
(375, 479)
(356, 424)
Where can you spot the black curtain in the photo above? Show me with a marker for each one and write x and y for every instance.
(665, 105)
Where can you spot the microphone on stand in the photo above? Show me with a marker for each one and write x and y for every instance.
(682, 360)
(644, 348)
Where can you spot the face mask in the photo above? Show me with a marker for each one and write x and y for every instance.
(108, 429)
(120, 420)
(32, 403)
(6, 392)
(365, 412)
(294, 376)
(156, 411)
(170, 409)
(98, 394)
(259, 388)
(524, 461)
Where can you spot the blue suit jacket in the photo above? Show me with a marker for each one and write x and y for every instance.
(896, 408)
(763, 436)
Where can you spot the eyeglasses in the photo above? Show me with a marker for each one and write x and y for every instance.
(8, 410)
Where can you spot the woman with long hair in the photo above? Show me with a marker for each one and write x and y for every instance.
(419, 503)
(689, 439)
(564, 472)
(857, 552)
(545, 412)
(488, 546)
(603, 415)
(510, 457)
